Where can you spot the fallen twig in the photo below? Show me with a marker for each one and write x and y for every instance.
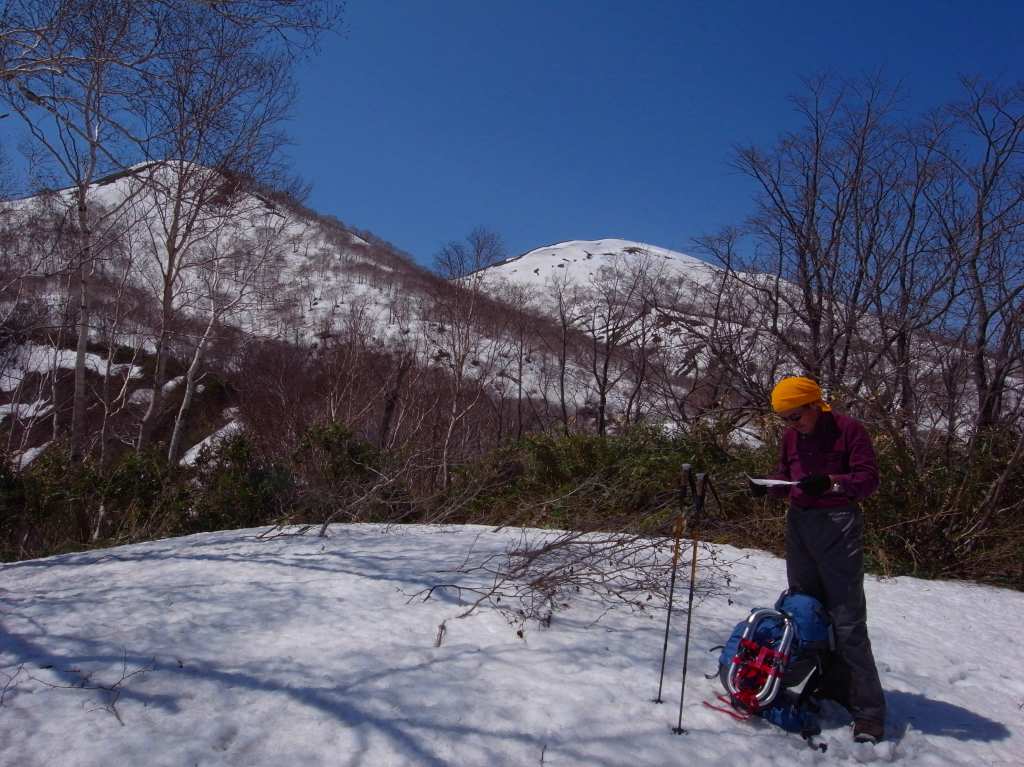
(11, 679)
(113, 690)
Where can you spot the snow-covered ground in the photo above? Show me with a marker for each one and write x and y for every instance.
(35, 358)
(223, 649)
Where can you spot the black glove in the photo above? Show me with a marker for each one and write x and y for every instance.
(756, 490)
(815, 484)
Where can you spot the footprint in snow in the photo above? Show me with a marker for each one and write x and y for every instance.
(961, 674)
(224, 737)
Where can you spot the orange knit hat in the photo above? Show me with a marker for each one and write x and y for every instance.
(790, 393)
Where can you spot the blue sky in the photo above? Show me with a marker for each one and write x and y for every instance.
(548, 121)
(573, 119)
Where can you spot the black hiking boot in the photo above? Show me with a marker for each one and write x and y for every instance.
(868, 731)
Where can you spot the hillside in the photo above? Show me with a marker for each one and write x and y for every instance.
(358, 386)
(197, 266)
(177, 223)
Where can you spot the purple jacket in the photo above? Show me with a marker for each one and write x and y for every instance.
(839, 446)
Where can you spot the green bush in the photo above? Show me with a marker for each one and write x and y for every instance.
(60, 502)
(935, 515)
(12, 510)
(58, 505)
(581, 481)
(236, 487)
(344, 478)
(143, 497)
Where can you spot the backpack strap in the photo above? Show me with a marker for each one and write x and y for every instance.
(728, 707)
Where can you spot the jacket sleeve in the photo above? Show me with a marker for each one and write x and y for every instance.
(781, 471)
(862, 479)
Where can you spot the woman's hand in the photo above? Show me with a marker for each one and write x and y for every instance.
(815, 484)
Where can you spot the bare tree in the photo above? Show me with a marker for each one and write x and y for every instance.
(36, 36)
(468, 343)
(847, 266)
(981, 214)
(118, 304)
(227, 282)
(94, 83)
(826, 194)
(6, 180)
(885, 259)
(215, 111)
(618, 301)
(723, 349)
(64, 78)
(566, 297)
(522, 332)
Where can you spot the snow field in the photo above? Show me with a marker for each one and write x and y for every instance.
(308, 651)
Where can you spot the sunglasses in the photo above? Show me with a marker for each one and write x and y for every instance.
(794, 417)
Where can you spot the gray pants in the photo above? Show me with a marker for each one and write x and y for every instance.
(825, 558)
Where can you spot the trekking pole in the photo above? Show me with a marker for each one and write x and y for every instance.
(698, 489)
(677, 532)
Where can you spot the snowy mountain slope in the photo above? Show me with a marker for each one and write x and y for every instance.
(617, 332)
(630, 301)
(268, 268)
(579, 260)
(639, 303)
(224, 649)
(307, 272)
(274, 270)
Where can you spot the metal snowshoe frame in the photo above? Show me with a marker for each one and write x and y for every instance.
(755, 672)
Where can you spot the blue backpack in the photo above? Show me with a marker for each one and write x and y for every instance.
(772, 652)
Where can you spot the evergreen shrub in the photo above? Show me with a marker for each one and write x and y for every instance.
(235, 486)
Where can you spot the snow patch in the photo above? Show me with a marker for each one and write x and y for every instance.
(23, 459)
(37, 409)
(34, 358)
(229, 429)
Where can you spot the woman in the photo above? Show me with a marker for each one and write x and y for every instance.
(830, 457)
